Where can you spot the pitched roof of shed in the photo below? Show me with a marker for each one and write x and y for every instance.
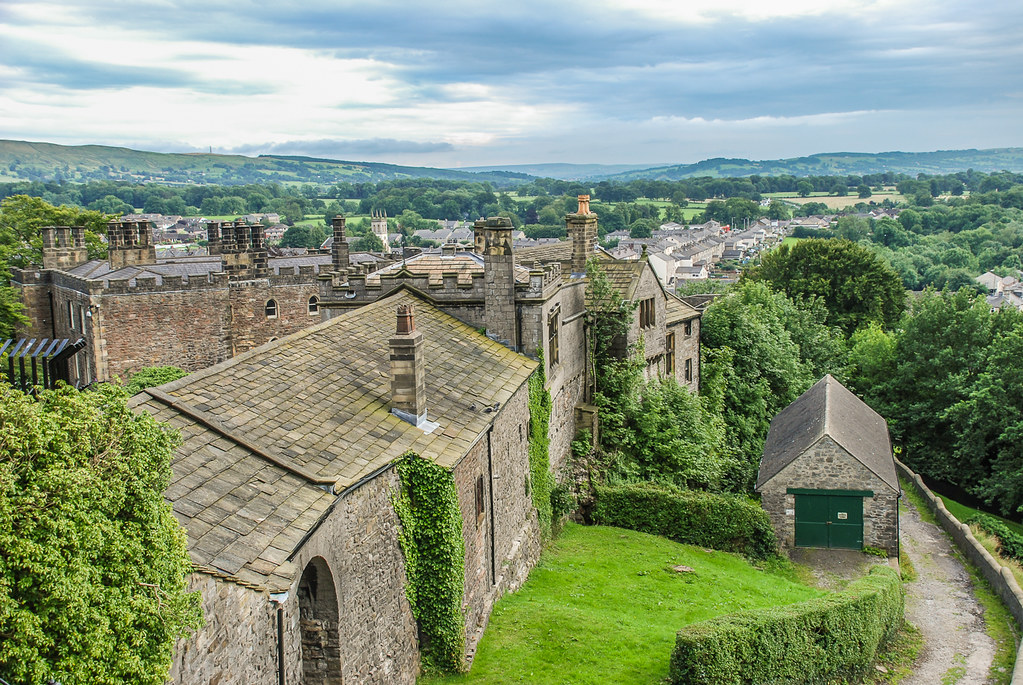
(269, 435)
(828, 408)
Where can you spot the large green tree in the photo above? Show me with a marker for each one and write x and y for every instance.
(856, 286)
(92, 561)
(21, 243)
(761, 351)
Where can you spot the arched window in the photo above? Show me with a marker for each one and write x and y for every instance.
(320, 625)
(314, 305)
(271, 309)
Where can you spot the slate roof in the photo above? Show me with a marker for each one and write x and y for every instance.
(271, 435)
(624, 275)
(676, 310)
(464, 264)
(828, 408)
(560, 251)
(201, 266)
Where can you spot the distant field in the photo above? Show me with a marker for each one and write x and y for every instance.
(834, 202)
(604, 604)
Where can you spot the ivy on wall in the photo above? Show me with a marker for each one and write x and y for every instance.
(540, 477)
(431, 540)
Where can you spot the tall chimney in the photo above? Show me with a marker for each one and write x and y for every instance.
(493, 238)
(408, 369)
(130, 243)
(339, 248)
(582, 230)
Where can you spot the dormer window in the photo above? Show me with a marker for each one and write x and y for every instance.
(271, 309)
(314, 305)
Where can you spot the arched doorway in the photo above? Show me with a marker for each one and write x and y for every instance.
(319, 620)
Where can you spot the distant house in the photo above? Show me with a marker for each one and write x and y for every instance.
(827, 477)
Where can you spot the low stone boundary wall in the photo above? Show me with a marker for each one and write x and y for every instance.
(1000, 578)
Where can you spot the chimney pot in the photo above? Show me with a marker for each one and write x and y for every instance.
(406, 319)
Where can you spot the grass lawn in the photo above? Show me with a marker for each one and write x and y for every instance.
(603, 606)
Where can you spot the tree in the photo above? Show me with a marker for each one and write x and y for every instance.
(369, 242)
(304, 236)
(863, 191)
(761, 351)
(856, 286)
(608, 319)
(93, 563)
(804, 188)
(641, 228)
(152, 376)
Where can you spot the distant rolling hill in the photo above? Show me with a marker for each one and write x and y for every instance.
(26, 161)
(840, 163)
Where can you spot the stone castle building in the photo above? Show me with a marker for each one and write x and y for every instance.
(135, 309)
(285, 477)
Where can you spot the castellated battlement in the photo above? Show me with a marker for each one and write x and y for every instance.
(544, 279)
(358, 288)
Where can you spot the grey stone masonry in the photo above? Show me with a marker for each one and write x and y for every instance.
(131, 243)
(408, 369)
(582, 231)
(64, 247)
(827, 466)
(493, 238)
(339, 257)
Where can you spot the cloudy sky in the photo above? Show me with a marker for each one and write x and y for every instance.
(471, 82)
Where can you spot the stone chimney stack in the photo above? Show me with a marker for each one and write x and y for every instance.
(213, 237)
(130, 243)
(493, 238)
(339, 248)
(408, 369)
(64, 247)
(582, 231)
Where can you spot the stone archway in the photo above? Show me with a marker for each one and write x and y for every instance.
(319, 620)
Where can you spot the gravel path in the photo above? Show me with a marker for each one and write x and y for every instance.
(941, 604)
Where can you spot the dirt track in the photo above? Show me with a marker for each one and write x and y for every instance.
(940, 602)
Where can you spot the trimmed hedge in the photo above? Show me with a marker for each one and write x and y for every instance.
(726, 522)
(814, 641)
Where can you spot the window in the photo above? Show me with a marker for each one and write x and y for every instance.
(271, 309)
(71, 315)
(81, 318)
(647, 313)
(689, 371)
(480, 492)
(553, 331)
(669, 354)
(689, 328)
(314, 305)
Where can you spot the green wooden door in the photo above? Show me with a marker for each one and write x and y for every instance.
(846, 522)
(829, 520)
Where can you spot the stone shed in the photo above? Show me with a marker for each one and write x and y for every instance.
(827, 477)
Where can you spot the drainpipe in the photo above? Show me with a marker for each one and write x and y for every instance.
(279, 598)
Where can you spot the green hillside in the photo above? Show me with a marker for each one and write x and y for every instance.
(841, 163)
(26, 161)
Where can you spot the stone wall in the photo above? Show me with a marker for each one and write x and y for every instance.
(359, 541)
(687, 348)
(238, 643)
(826, 466)
(502, 540)
(358, 546)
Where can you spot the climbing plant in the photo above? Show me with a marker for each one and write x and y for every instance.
(540, 477)
(431, 540)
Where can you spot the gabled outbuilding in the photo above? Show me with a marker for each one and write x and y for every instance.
(827, 477)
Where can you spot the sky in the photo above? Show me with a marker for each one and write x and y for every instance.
(473, 82)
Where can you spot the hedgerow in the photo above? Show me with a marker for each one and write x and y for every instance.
(814, 641)
(727, 522)
(431, 541)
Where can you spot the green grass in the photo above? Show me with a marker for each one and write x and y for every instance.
(603, 606)
(963, 512)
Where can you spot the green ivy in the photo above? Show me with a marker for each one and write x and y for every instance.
(431, 540)
(541, 479)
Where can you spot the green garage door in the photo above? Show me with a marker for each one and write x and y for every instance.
(829, 519)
